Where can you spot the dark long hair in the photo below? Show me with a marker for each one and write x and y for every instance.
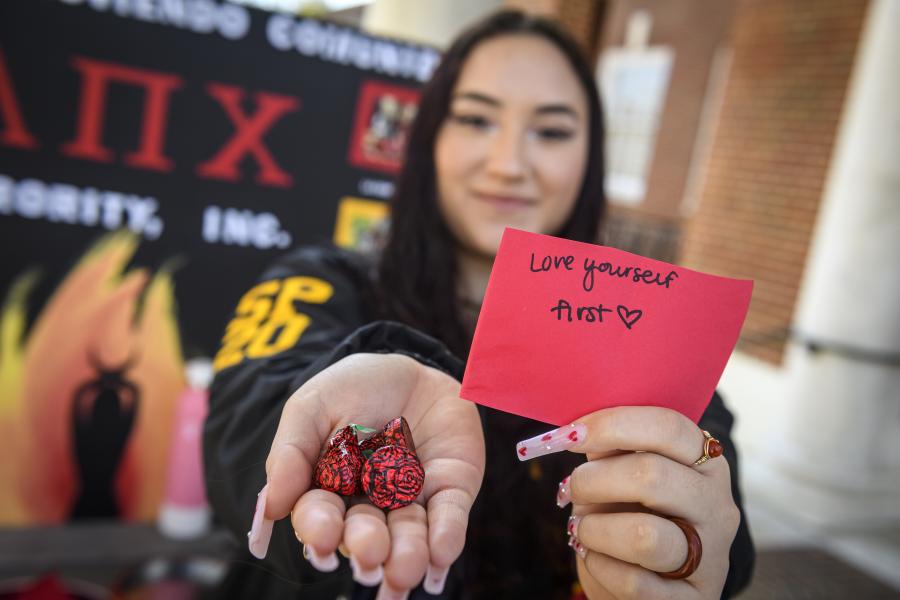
(417, 275)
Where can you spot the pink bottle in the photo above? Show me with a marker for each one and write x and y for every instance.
(184, 512)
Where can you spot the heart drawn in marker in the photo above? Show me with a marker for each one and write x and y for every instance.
(629, 317)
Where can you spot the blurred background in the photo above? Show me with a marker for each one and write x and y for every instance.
(156, 154)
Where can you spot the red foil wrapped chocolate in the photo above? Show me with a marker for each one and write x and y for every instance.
(393, 477)
(395, 433)
(338, 469)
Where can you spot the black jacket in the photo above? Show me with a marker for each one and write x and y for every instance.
(288, 328)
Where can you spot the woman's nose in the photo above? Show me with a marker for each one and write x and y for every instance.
(506, 156)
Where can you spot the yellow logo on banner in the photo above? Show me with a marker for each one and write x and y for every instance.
(265, 322)
(359, 222)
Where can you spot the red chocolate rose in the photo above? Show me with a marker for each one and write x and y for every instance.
(346, 435)
(370, 445)
(338, 469)
(395, 433)
(393, 477)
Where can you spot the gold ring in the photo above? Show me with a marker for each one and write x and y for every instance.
(712, 448)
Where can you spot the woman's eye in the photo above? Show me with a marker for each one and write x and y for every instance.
(554, 133)
(473, 121)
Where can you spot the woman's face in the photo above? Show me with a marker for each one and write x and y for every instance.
(513, 149)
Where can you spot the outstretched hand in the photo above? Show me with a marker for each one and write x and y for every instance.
(397, 548)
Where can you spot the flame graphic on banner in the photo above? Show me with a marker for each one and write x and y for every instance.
(99, 315)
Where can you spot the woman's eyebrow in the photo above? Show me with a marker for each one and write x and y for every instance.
(552, 109)
(477, 97)
(544, 109)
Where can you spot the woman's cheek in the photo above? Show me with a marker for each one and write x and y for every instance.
(563, 175)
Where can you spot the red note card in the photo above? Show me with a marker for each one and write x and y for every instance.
(568, 328)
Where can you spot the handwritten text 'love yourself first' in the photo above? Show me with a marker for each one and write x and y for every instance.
(594, 314)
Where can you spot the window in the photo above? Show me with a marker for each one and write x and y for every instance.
(633, 81)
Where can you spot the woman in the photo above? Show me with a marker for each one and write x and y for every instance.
(508, 134)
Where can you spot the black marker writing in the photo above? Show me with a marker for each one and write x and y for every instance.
(629, 317)
(637, 274)
(583, 313)
(549, 262)
(594, 314)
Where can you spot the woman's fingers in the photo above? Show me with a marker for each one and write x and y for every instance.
(448, 517)
(289, 468)
(649, 479)
(301, 433)
(626, 581)
(653, 542)
(408, 559)
(647, 428)
(318, 520)
(368, 542)
(642, 456)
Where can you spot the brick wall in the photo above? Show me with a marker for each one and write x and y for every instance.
(581, 18)
(770, 153)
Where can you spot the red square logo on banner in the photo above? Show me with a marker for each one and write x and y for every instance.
(384, 114)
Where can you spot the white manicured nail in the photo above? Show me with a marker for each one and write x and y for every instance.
(575, 545)
(261, 528)
(369, 578)
(564, 493)
(572, 525)
(556, 440)
(321, 562)
(435, 579)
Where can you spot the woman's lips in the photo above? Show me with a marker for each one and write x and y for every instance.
(504, 202)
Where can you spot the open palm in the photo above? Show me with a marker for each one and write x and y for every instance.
(397, 548)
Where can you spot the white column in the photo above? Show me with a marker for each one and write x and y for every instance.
(838, 445)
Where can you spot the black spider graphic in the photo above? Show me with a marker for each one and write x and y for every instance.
(103, 411)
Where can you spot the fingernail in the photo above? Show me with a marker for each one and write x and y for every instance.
(261, 530)
(435, 579)
(386, 592)
(572, 526)
(556, 440)
(575, 545)
(369, 578)
(564, 494)
(321, 562)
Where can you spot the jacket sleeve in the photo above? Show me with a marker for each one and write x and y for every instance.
(307, 312)
(718, 421)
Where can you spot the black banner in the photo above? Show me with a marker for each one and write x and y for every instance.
(220, 135)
